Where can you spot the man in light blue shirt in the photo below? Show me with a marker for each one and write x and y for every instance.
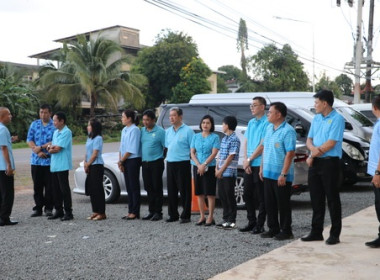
(178, 141)
(253, 186)
(7, 168)
(152, 147)
(325, 144)
(374, 166)
(61, 163)
(278, 172)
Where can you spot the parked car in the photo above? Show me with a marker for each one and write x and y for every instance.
(114, 184)
(366, 110)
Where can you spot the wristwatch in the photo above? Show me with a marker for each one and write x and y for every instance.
(377, 172)
(283, 175)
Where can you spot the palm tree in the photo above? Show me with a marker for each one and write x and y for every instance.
(90, 69)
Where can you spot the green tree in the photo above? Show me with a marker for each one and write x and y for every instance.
(193, 80)
(345, 84)
(221, 84)
(325, 83)
(163, 62)
(232, 73)
(91, 70)
(242, 44)
(279, 70)
(18, 95)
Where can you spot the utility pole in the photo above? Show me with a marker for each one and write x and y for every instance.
(368, 86)
(358, 53)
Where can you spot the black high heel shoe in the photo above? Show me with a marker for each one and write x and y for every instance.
(210, 224)
(200, 223)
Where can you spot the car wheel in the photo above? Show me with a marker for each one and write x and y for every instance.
(111, 187)
(239, 190)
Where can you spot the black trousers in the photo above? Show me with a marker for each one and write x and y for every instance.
(42, 185)
(152, 176)
(377, 204)
(254, 197)
(179, 178)
(226, 191)
(132, 182)
(323, 183)
(277, 201)
(7, 194)
(96, 189)
(62, 192)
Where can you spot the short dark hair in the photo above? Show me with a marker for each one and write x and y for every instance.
(376, 102)
(212, 129)
(281, 107)
(150, 114)
(231, 122)
(46, 106)
(96, 128)
(133, 115)
(177, 109)
(325, 95)
(61, 116)
(261, 100)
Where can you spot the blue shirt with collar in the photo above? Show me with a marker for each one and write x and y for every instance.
(277, 143)
(130, 141)
(62, 161)
(330, 127)
(374, 150)
(94, 144)
(230, 145)
(178, 143)
(203, 147)
(6, 140)
(255, 134)
(40, 134)
(152, 143)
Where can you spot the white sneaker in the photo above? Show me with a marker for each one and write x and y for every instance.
(230, 226)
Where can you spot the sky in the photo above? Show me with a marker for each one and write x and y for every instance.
(29, 27)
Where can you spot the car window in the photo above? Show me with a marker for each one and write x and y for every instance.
(369, 115)
(359, 118)
(191, 115)
(241, 112)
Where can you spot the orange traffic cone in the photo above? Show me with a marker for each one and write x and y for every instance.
(194, 199)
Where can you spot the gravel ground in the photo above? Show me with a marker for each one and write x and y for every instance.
(38, 248)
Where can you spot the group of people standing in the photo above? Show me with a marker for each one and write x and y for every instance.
(269, 149)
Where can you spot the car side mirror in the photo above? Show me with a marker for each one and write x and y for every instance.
(299, 128)
(348, 126)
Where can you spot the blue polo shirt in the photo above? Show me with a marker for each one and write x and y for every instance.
(178, 143)
(255, 134)
(40, 135)
(94, 144)
(130, 141)
(62, 161)
(203, 147)
(276, 144)
(374, 150)
(152, 143)
(326, 128)
(6, 140)
(230, 145)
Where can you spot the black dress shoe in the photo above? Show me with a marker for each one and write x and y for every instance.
(67, 217)
(283, 236)
(156, 217)
(269, 234)
(312, 237)
(56, 215)
(48, 213)
(170, 220)
(148, 217)
(374, 244)
(248, 227)
(257, 230)
(36, 213)
(7, 223)
(201, 223)
(184, 221)
(332, 240)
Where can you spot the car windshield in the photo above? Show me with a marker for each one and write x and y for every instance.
(357, 116)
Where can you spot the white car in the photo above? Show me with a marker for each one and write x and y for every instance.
(366, 110)
(114, 184)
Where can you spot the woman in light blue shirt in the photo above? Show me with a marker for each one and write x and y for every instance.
(130, 161)
(94, 167)
(204, 147)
